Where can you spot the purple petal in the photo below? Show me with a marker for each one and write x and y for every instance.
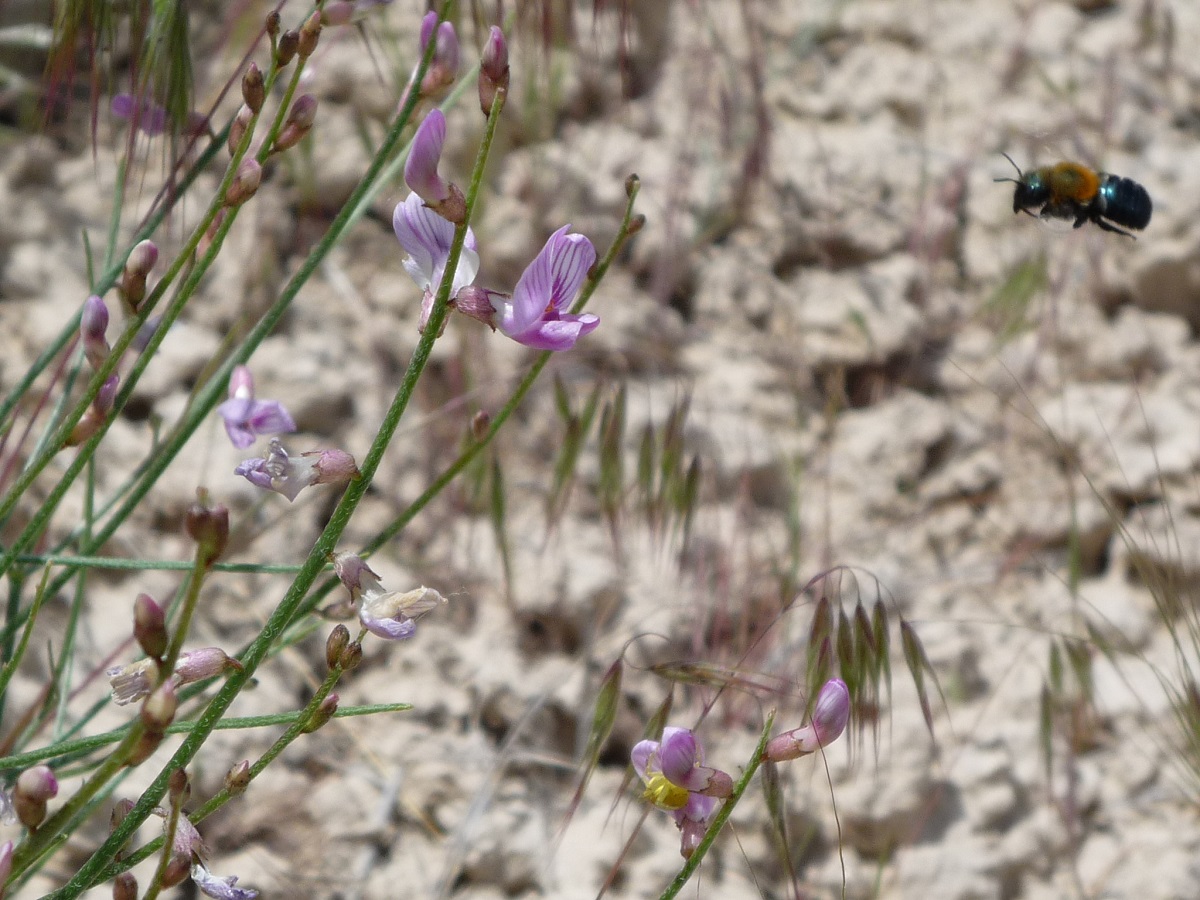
(574, 255)
(558, 334)
(427, 237)
(389, 629)
(255, 471)
(420, 170)
(678, 754)
(221, 888)
(269, 417)
(236, 414)
(428, 24)
(699, 809)
(643, 752)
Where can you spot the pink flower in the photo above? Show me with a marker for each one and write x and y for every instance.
(426, 237)
(289, 475)
(677, 781)
(245, 417)
(390, 615)
(829, 719)
(536, 315)
(421, 170)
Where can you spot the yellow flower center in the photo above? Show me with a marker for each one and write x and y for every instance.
(665, 794)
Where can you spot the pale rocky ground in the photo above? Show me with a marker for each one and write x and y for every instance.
(819, 274)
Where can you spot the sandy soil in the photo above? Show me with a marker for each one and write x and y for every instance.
(991, 421)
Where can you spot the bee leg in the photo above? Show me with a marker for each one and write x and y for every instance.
(1106, 227)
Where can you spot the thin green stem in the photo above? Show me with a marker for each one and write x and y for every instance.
(82, 746)
(183, 625)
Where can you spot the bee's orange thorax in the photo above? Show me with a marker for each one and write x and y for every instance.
(1072, 181)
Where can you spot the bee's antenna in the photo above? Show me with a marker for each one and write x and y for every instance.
(1020, 174)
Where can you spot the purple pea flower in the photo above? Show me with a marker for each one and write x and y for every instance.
(426, 236)
(390, 615)
(535, 316)
(246, 418)
(222, 888)
(829, 719)
(289, 475)
(443, 68)
(677, 781)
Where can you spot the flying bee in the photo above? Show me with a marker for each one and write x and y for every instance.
(1068, 190)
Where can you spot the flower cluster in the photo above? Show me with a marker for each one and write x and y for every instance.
(537, 314)
(677, 780)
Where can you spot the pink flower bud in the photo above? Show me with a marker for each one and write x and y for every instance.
(289, 43)
(493, 69)
(299, 122)
(310, 33)
(237, 779)
(37, 783)
(209, 528)
(253, 88)
(829, 719)
(93, 326)
(158, 711)
(150, 626)
(245, 183)
(237, 131)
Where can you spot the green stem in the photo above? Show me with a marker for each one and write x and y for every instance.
(86, 745)
(722, 816)
(190, 600)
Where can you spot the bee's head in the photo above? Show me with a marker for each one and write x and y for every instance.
(1032, 190)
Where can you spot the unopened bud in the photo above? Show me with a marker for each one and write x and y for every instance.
(481, 422)
(310, 33)
(120, 810)
(208, 662)
(272, 23)
(245, 183)
(237, 779)
(321, 714)
(137, 266)
(150, 626)
(97, 413)
(179, 787)
(830, 716)
(237, 130)
(339, 640)
(209, 528)
(636, 224)
(351, 657)
(178, 868)
(253, 88)
(475, 301)
(34, 788)
(299, 122)
(210, 234)
(493, 69)
(289, 43)
(144, 748)
(632, 183)
(93, 326)
(125, 887)
(158, 710)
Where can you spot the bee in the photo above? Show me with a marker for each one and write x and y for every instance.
(1068, 190)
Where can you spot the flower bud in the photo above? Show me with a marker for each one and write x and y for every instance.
(125, 887)
(142, 339)
(150, 626)
(481, 422)
(132, 682)
(636, 224)
(179, 787)
(310, 33)
(208, 662)
(144, 748)
(178, 868)
(237, 779)
(245, 183)
(209, 528)
(632, 183)
(351, 657)
(339, 640)
(253, 88)
(299, 122)
(289, 43)
(97, 413)
(137, 267)
(272, 23)
(158, 711)
(120, 810)
(93, 326)
(321, 714)
(829, 719)
(237, 130)
(493, 69)
(34, 787)
(477, 303)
